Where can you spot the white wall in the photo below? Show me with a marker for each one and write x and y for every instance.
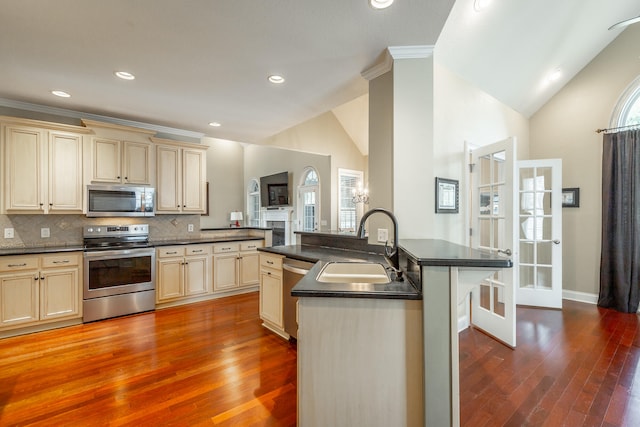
(465, 113)
(565, 128)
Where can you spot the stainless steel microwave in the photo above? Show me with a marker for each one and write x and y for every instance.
(120, 200)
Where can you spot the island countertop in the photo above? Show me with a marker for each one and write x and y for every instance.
(443, 253)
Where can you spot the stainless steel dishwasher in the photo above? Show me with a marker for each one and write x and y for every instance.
(292, 271)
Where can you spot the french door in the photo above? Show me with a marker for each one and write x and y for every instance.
(493, 198)
(540, 233)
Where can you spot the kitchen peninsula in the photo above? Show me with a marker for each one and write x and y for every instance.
(372, 354)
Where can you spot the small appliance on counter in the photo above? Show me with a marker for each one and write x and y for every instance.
(119, 271)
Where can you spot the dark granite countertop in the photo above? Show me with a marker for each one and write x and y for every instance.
(308, 286)
(40, 250)
(442, 253)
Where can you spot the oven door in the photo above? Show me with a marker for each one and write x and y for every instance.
(121, 271)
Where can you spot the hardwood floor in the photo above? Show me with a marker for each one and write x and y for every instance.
(202, 364)
(575, 367)
(212, 363)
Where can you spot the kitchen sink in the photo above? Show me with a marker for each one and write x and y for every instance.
(353, 272)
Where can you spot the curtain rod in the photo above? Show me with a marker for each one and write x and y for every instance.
(618, 128)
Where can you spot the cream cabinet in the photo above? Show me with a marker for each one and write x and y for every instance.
(271, 309)
(183, 272)
(43, 170)
(181, 177)
(121, 162)
(235, 265)
(37, 289)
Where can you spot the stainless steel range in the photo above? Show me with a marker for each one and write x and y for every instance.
(119, 271)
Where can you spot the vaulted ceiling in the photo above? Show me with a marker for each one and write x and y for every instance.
(202, 61)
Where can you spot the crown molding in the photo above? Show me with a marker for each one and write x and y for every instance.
(390, 54)
(98, 118)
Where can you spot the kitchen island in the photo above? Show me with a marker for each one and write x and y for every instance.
(366, 358)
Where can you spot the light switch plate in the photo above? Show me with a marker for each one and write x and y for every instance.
(8, 233)
(45, 232)
(383, 235)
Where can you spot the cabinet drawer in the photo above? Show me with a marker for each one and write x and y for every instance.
(60, 260)
(16, 263)
(221, 248)
(251, 245)
(198, 250)
(170, 251)
(271, 261)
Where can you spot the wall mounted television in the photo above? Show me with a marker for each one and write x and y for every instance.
(274, 190)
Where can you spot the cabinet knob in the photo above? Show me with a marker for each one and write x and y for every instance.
(35, 278)
(184, 206)
(50, 204)
(41, 277)
(126, 178)
(41, 204)
(118, 177)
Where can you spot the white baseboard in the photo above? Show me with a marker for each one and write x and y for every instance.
(580, 296)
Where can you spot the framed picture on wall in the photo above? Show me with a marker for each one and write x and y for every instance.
(570, 197)
(446, 195)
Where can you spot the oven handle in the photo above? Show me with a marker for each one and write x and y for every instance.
(119, 253)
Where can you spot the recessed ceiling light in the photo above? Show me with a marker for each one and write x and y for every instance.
(215, 124)
(61, 93)
(380, 4)
(274, 78)
(480, 5)
(124, 75)
(555, 75)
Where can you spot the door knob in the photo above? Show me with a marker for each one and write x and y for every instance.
(556, 241)
(507, 252)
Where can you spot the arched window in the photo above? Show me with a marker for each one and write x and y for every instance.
(309, 200)
(627, 111)
(253, 203)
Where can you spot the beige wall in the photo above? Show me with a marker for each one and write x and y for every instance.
(464, 113)
(564, 128)
(324, 135)
(225, 174)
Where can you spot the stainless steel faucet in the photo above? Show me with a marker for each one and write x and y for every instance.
(391, 254)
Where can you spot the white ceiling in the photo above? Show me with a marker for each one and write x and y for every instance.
(198, 61)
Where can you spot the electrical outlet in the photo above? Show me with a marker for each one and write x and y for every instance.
(8, 233)
(44, 233)
(190, 228)
(383, 235)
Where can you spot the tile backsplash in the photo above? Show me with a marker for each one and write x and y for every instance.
(66, 230)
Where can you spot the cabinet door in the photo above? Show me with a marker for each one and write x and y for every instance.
(106, 160)
(170, 275)
(59, 293)
(19, 299)
(271, 297)
(196, 275)
(225, 271)
(136, 163)
(65, 172)
(168, 180)
(249, 268)
(24, 169)
(194, 181)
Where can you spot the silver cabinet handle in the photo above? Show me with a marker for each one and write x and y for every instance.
(507, 252)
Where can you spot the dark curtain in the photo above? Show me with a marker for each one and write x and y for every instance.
(620, 255)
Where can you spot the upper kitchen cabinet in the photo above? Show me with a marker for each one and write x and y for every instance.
(181, 177)
(120, 154)
(121, 162)
(43, 167)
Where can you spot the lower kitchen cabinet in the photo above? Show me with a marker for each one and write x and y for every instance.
(182, 272)
(271, 308)
(236, 265)
(39, 289)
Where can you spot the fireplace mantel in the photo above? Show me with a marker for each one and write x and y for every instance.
(284, 215)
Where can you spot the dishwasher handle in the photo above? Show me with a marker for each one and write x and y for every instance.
(296, 270)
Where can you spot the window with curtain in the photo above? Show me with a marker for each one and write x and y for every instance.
(253, 203)
(308, 200)
(348, 182)
(620, 253)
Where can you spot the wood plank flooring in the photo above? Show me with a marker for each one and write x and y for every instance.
(212, 363)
